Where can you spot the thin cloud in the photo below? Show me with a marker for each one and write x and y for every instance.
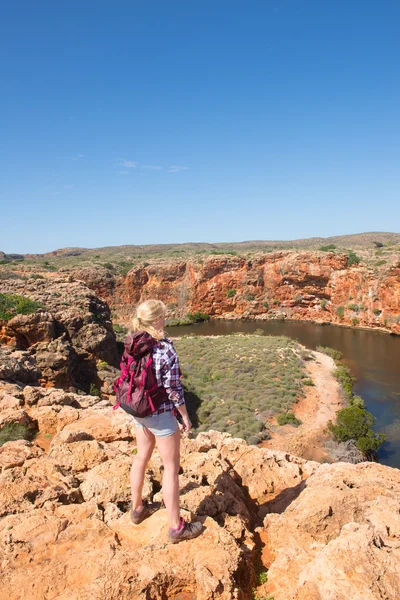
(68, 187)
(152, 167)
(77, 157)
(129, 164)
(123, 172)
(176, 169)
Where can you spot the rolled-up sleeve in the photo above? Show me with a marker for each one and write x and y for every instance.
(171, 377)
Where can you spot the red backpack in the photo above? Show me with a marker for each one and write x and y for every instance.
(137, 390)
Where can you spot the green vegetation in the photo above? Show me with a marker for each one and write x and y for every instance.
(250, 297)
(36, 276)
(355, 423)
(125, 267)
(355, 321)
(190, 319)
(289, 417)
(231, 252)
(328, 248)
(15, 431)
(353, 307)
(335, 354)
(11, 305)
(340, 312)
(323, 303)
(266, 305)
(352, 258)
(119, 329)
(263, 577)
(94, 391)
(376, 311)
(231, 293)
(345, 378)
(233, 383)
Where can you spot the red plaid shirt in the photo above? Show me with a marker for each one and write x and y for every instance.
(168, 374)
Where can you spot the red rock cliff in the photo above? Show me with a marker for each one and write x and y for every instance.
(294, 285)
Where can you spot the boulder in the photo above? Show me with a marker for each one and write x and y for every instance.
(33, 328)
(18, 366)
(339, 538)
(15, 453)
(78, 456)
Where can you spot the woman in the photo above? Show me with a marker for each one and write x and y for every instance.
(161, 428)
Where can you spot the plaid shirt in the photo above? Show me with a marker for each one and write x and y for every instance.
(168, 374)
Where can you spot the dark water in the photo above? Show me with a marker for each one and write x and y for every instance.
(372, 357)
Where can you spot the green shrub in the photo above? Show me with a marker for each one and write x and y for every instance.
(308, 382)
(36, 276)
(335, 354)
(288, 418)
(94, 391)
(124, 268)
(323, 303)
(353, 307)
(354, 423)
(380, 263)
(376, 311)
(378, 244)
(355, 321)
(352, 258)
(266, 305)
(346, 380)
(15, 431)
(250, 297)
(328, 248)
(340, 312)
(198, 317)
(11, 305)
(231, 293)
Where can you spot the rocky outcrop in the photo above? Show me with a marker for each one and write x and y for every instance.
(297, 285)
(62, 340)
(326, 532)
(339, 539)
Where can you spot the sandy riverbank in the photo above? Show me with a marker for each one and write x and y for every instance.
(319, 405)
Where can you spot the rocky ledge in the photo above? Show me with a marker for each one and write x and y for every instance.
(315, 532)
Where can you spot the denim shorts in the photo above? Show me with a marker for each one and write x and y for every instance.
(160, 425)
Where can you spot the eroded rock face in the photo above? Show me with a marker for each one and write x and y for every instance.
(63, 339)
(296, 285)
(69, 307)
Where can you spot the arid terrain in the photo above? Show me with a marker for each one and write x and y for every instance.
(277, 525)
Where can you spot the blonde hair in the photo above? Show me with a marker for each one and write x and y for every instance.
(146, 314)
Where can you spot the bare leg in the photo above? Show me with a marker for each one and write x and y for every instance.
(145, 445)
(169, 450)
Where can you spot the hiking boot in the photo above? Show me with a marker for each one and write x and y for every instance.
(148, 508)
(186, 531)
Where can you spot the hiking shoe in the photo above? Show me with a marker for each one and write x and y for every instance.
(148, 508)
(186, 531)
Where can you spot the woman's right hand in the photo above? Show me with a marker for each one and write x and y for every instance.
(186, 424)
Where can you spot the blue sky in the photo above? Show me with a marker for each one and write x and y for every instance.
(138, 122)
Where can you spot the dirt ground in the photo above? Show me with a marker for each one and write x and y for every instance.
(320, 404)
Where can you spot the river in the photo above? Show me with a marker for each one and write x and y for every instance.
(373, 358)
